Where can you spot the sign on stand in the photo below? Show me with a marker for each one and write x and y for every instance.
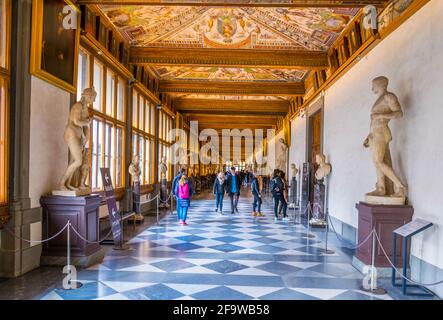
(114, 215)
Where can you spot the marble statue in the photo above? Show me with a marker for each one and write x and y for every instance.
(163, 168)
(319, 208)
(282, 155)
(294, 170)
(134, 168)
(324, 169)
(385, 109)
(135, 171)
(76, 137)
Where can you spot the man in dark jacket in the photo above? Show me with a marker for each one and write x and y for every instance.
(233, 189)
(277, 190)
(255, 188)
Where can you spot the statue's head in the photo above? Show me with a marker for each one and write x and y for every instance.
(380, 85)
(163, 159)
(282, 140)
(320, 159)
(89, 95)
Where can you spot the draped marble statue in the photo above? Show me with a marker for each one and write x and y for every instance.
(385, 109)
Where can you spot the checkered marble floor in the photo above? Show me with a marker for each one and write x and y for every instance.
(222, 257)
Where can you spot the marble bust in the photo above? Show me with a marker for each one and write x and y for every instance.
(76, 136)
(385, 109)
(324, 168)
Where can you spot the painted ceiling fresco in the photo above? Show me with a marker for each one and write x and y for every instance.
(230, 28)
(227, 97)
(229, 74)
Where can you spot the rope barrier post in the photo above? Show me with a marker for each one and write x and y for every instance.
(158, 203)
(72, 284)
(374, 289)
(326, 250)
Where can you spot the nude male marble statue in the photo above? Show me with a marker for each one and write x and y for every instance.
(163, 168)
(385, 109)
(294, 170)
(282, 155)
(76, 137)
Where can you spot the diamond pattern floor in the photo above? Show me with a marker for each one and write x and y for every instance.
(225, 257)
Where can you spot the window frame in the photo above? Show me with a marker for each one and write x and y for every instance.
(5, 76)
(104, 118)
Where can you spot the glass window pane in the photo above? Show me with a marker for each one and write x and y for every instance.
(141, 112)
(134, 144)
(152, 119)
(83, 73)
(98, 85)
(110, 85)
(147, 116)
(119, 158)
(147, 157)
(121, 100)
(134, 109)
(3, 133)
(141, 148)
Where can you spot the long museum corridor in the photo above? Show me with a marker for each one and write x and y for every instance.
(125, 124)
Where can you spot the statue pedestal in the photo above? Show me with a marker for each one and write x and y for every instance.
(83, 213)
(164, 193)
(293, 201)
(138, 217)
(72, 193)
(384, 219)
(318, 209)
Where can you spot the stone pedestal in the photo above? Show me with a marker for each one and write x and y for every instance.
(294, 191)
(83, 213)
(164, 193)
(384, 219)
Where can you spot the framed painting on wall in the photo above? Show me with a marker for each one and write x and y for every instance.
(55, 42)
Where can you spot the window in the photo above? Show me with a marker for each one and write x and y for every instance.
(5, 18)
(165, 125)
(83, 73)
(143, 134)
(108, 124)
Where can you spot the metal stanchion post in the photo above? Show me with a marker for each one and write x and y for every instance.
(326, 250)
(71, 284)
(158, 203)
(374, 289)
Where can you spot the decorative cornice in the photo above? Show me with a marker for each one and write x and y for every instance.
(235, 58)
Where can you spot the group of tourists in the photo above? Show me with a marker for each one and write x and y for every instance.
(230, 183)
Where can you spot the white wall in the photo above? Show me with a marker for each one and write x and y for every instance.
(411, 57)
(48, 151)
(297, 151)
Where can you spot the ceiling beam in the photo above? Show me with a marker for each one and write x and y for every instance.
(243, 3)
(205, 106)
(234, 119)
(294, 59)
(233, 88)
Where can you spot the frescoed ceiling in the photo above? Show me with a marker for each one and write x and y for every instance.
(229, 98)
(271, 28)
(229, 74)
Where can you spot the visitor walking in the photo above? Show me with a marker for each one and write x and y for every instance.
(285, 195)
(174, 185)
(233, 185)
(255, 188)
(277, 190)
(184, 193)
(219, 189)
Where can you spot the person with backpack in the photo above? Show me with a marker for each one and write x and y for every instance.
(277, 190)
(233, 189)
(174, 185)
(255, 188)
(219, 189)
(183, 193)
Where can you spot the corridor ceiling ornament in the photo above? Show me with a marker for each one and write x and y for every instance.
(230, 28)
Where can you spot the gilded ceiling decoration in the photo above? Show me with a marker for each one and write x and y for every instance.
(230, 28)
(228, 97)
(229, 74)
